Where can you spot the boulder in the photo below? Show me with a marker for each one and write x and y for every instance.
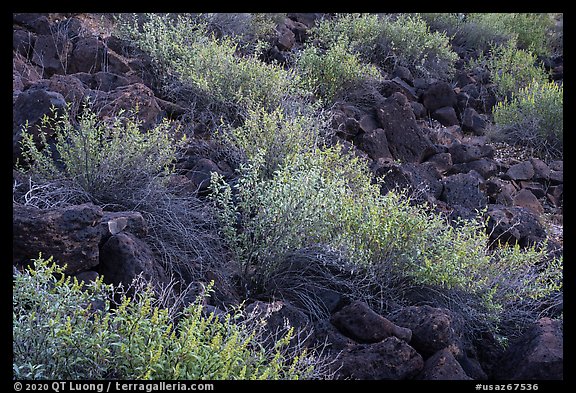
(537, 355)
(443, 366)
(514, 224)
(473, 122)
(432, 328)
(87, 55)
(277, 317)
(486, 167)
(406, 141)
(441, 161)
(70, 234)
(368, 123)
(326, 334)
(521, 171)
(422, 181)
(51, 54)
(33, 21)
(285, 38)
(388, 87)
(30, 107)
(541, 170)
(359, 322)
(123, 257)
(24, 73)
(102, 80)
(70, 87)
(129, 98)
(201, 174)
(374, 143)
(525, 198)
(466, 152)
(438, 95)
(499, 191)
(23, 42)
(390, 359)
(446, 115)
(463, 189)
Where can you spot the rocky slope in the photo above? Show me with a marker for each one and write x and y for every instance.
(427, 137)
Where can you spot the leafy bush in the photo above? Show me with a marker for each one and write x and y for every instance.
(117, 166)
(329, 72)
(327, 199)
(250, 29)
(387, 42)
(531, 31)
(107, 159)
(64, 331)
(512, 69)
(533, 117)
(275, 135)
(226, 82)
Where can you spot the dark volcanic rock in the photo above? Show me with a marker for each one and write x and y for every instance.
(443, 366)
(439, 95)
(432, 328)
(446, 115)
(391, 359)
(359, 322)
(71, 235)
(406, 141)
(463, 189)
(537, 355)
(511, 224)
(123, 257)
(374, 143)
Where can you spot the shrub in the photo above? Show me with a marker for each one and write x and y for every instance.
(533, 117)
(512, 69)
(117, 166)
(223, 81)
(329, 72)
(275, 135)
(387, 42)
(64, 331)
(109, 160)
(250, 29)
(327, 199)
(531, 31)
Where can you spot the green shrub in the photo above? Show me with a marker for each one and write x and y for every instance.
(115, 165)
(107, 159)
(64, 331)
(387, 42)
(275, 135)
(250, 29)
(531, 31)
(328, 72)
(327, 199)
(533, 117)
(513, 69)
(183, 47)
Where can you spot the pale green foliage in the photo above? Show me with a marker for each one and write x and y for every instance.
(512, 69)
(182, 46)
(387, 42)
(58, 334)
(534, 117)
(324, 198)
(328, 72)
(531, 31)
(106, 158)
(274, 135)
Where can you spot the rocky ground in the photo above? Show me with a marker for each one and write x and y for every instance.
(428, 138)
